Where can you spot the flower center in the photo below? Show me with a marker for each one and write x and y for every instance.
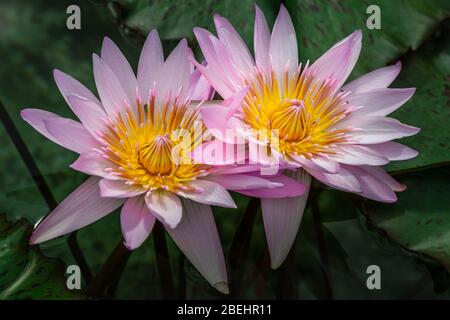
(296, 117)
(156, 156)
(144, 145)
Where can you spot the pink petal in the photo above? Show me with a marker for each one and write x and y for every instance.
(210, 193)
(92, 117)
(375, 129)
(394, 151)
(343, 180)
(236, 47)
(136, 221)
(150, 61)
(242, 181)
(70, 134)
(113, 96)
(217, 152)
(92, 163)
(166, 206)
(215, 117)
(38, 119)
(377, 79)
(232, 75)
(319, 163)
(338, 62)
(261, 40)
(217, 80)
(290, 188)
(197, 237)
(119, 65)
(200, 88)
(282, 219)
(234, 169)
(283, 44)
(175, 73)
(70, 86)
(82, 207)
(359, 155)
(383, 176)
(119, 189)
(380, 102)
(372, 187)
(214, 72)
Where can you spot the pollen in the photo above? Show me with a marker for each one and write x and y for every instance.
(296, 116)
(144, 145)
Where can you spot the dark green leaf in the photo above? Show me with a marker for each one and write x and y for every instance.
(24, 272)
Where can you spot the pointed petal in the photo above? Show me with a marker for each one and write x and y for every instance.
(92, 117)
(282, 219)
(70, 134)
(112, 95)
(119, 189)
(200, 88)
(359, 155)
(71, 86)
(217, 80)
(210, 193)
(380, 102)
(394, 151)
(178, 67)
(214, 117)
(372, 187)
(150, 61)
(119, 65)
(136, 221)
(214, 71)
(166, 206)
(383, 176)
(338, 62)
(236, 47)
(343, 180)
(378, 79)
(82, 207)
(290, 188)
(261, 40)
(197, 237)
(374, 129)
(92, 163)
(75, 138)
(283, 44)
(242, 181)
(319, 163)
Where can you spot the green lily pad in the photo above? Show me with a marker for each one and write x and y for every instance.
(175, 20)
(24, 272)
(420, 220)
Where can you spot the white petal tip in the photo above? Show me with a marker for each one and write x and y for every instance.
(275, 265)
(129, 246)
(222, 287)
(34, 239)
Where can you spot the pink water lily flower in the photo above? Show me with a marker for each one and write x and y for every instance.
(339, 134)
(126, 140)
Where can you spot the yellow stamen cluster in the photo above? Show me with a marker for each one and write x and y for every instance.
(140, 143)
(296, 117)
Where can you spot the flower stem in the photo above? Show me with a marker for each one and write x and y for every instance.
(241, 244)
(43, 187)
(110, 272)
(162, 261)
(181, 277)
(324, 259)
